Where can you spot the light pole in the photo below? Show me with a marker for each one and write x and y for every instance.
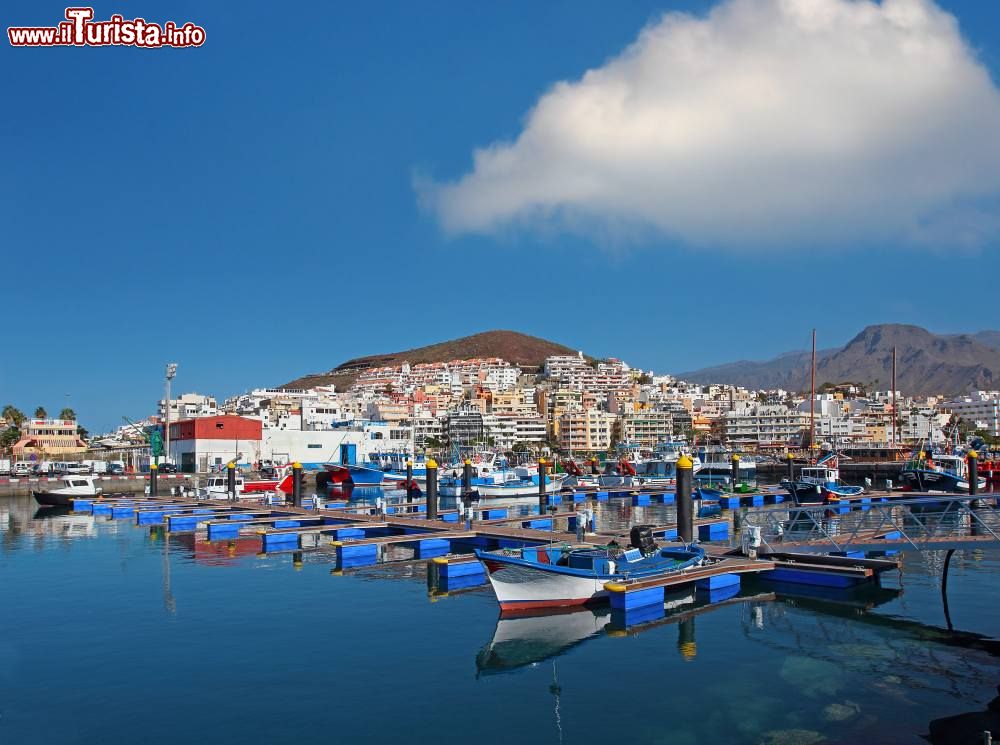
(171, 372)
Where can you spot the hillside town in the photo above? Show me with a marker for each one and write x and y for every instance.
(573, 405)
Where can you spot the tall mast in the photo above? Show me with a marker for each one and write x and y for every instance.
(892, 395)
(812, 400)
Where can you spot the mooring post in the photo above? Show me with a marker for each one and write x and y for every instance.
(432, 489)
(973, 473)
(409, 481)
(791, 466)
(594, 470)
(542, 497)
(297, 484)
(153, 468)
(231, 480)
(685, 512)
(734, 466)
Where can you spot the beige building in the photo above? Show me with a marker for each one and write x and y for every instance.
(585, 431)
(47, 437)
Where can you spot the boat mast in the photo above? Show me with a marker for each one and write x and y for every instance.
(812, 400)
(892, 396)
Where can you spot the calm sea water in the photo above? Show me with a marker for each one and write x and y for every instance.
(111, 633)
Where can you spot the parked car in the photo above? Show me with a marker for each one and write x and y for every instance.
(71, 467)
(167, 468)
(116, 469)
(22, 468)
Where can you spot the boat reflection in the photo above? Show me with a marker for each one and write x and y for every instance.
(522, 639)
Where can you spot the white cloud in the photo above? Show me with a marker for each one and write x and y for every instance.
(765, 122)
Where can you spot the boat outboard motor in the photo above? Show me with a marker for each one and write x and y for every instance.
(641, 537)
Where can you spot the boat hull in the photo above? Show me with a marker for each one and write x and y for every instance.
(520, 587)
(52, 499)
(938, 481)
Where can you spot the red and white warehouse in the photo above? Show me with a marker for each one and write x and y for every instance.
(198, 444)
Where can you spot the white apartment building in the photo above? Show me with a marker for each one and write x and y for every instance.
(981, 408)
(648, 427)
(763, 425)
(188, 406)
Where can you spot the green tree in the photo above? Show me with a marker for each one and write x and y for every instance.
(41, 413)
(14, 416)
(8, 437)
(519, 447)
(67, 413)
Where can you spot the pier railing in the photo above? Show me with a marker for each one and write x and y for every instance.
(937, 523)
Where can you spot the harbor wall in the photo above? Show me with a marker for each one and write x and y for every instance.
(12, 487)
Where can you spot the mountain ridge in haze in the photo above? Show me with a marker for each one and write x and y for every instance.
(926, 363)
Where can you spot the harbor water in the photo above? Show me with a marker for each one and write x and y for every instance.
(114, 633)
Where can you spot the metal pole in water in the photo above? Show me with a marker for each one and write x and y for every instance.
(152, 479)
(973, 473)
(432, 489)
(409, 481)
(231, 480)
(944, 587)
(734, 465)
(297, 484)
(685, 513)
(543, 500)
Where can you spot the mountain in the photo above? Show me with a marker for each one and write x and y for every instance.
(520, 349)
(926, 363)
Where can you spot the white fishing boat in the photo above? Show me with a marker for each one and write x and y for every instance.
(72, 487)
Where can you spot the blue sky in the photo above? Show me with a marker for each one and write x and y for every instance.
(247, 209)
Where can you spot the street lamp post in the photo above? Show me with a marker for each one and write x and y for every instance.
(171, 372)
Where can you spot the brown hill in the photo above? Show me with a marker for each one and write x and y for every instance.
(926, 363)
(520, 349)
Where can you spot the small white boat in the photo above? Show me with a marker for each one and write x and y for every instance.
(72, 487)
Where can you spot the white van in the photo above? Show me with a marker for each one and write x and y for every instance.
(22, 468)
(72, 467)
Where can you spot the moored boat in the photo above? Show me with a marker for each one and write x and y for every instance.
(563, 576)
(820, 483)
(940, 472)
(72, 487)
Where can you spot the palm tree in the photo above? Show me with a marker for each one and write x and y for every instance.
(14, 416)
(41, 413)
(67, 413)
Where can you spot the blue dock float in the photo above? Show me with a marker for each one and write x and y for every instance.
(494, 513)
(636, 599)
(580, 496)
(450, 517)
(601, 496)
(122, 510)
(450, 570)
(717, 531)
(718, 581)
(223, 530)
(429, 547)
(640, 500)
(667, 498)
(279, 541)
(347, 532)
(807, 577)
(356, 555)
(545, 524)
